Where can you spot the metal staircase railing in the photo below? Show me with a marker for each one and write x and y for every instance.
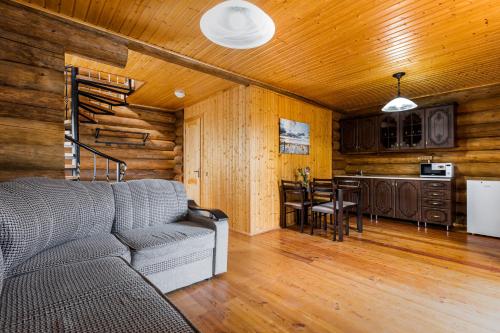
(91, 95)
(121, 166)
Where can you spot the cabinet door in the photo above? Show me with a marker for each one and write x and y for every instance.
(440, 127)
(408, 199)
(367, 135)
(348, 135)
(388, 132)
(411, 129)
(383, 197)
(366, 195)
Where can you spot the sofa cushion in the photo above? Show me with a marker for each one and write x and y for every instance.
(102, 295)
(39, 213)
(149, 202)
(162, 247)
(93, 247)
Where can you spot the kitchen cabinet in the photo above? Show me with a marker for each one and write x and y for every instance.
(383, 197)
(440, 127)
(389, 132)
(418, 129)
(414, 199)
(407, 197)
(411, 130)
(358, 135)
(349, 135)
(367, 135)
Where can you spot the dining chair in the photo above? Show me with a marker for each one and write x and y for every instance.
(352, 193)
(320, 191)
(294, 195)
(338, 208)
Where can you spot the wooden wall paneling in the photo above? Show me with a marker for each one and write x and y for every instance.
(477, 153)
(225, 170)
(268, 166)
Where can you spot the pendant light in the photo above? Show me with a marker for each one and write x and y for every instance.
(399, 103)
(237, 24)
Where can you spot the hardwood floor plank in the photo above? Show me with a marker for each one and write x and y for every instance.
(391, 278)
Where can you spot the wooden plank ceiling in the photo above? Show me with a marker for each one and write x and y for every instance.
(341, 53)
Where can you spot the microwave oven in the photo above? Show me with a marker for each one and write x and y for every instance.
(439, 170)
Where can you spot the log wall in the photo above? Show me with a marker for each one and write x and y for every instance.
(158, 158)
(477, 153)
(32, 49)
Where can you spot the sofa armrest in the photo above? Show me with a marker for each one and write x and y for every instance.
(218, 221)
(214, 214)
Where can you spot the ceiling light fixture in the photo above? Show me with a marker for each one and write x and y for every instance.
(399, 103)
(179, 93)
(237, 24)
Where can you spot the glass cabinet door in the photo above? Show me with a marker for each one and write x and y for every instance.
(411, 129)
(389, 129)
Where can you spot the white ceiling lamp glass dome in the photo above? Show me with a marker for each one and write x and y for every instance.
(237, 24)
(399, 103)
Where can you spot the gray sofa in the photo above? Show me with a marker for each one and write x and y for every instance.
(95, 257)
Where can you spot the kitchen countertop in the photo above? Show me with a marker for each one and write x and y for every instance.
(396, 177)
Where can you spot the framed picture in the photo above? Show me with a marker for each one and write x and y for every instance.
(294, 137)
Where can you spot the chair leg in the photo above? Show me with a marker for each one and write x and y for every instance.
(347, 224)
(301, 213)
(313, 223)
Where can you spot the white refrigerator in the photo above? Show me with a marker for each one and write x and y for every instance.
(483, 207)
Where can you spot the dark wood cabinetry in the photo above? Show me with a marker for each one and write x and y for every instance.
(440, 127)
(428, 201)
(407, 197)
(383, 197)
(358, 135)
(401, 131)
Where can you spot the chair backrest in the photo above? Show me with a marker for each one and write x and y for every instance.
(321, 190)
(293, 191)
(39, 213)
(351, 187)
(148, 202)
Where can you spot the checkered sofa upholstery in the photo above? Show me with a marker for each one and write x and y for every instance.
(168, 245)
(62, 270)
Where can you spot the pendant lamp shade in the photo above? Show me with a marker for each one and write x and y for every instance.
(237, 24)
(399, 103)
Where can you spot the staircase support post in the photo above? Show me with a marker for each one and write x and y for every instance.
(75, 123)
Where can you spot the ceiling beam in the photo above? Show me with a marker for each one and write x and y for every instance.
(172, 56)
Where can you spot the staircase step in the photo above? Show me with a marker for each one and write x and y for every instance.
(103, 98)
(71, 177)
(95, 108)
(69, 166)
(105, 85)
(68, 144)
(69, 156)
(87, 119)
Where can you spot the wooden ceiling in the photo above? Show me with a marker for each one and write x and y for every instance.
(341, 53)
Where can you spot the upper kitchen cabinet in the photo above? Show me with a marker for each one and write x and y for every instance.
(400, 131)
(349, 135)
(411, 129)
(389, 132)
(440, 127)
(358, 135)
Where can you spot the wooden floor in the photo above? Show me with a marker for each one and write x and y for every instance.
(391, 278)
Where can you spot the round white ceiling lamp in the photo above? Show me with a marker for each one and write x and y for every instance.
(179, 93)
(399, 103)
(237, 24)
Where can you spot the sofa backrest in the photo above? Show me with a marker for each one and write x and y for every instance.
(39, 213)
(148, 202)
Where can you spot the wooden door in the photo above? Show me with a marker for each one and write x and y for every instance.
(192, 158)
(367, 134)
(388, 135)
(440, 127)
(383, 197)
(411, 130)
(408, 199)
(348, 135)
